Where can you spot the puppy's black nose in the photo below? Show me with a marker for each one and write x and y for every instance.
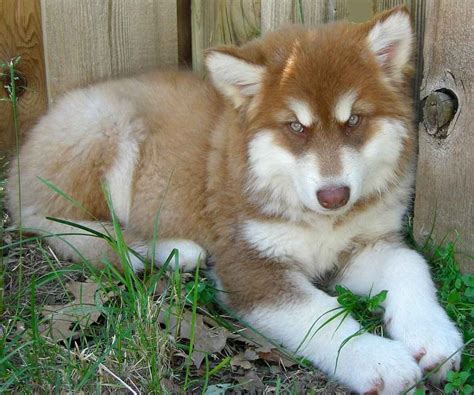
(333, 197)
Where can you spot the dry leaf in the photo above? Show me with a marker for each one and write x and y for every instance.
(170, 386)
(239, 361)
(218, 389)
(160, 287)
(59, 328)
(250, 355)
(83, 311)
(251, 382)
(83, 292)
(252, 338)
(276, 356)
(207, 340)
(263, 348)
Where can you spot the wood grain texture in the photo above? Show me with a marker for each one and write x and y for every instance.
(312, 12)
(216, 22)
(20, 35)
(276, 13)
(89, 40)
(445, 177)
(381, 5)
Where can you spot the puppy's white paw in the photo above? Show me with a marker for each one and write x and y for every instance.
(431, 338)
(188, 256)
(189, 253)
(372, 364)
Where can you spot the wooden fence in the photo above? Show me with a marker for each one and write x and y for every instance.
(70, 43)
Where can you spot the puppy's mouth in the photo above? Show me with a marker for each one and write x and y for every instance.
(334, 212)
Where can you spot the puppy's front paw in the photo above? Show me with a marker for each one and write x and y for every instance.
(375, 365)
(431, 338)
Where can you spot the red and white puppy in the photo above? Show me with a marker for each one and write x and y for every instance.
(294, 161)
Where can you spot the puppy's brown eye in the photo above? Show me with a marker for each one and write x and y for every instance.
(296, 127)
(353, 121)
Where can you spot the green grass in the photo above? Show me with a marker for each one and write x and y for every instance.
(8, 72)
(128, 347)
(136, 344)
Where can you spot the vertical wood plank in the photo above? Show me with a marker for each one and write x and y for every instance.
(88, 40)
(316, 12)
(216, 22)
(445, 176)
(381, 5)
(312, 12)
(20, 35)
(276, 13)
(337, 9)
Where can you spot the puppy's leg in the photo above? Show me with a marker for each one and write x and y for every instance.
(412, 312)
(286, 307)
(73, 243)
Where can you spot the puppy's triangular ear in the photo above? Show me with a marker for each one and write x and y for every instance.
(390, 38)
(235, 77)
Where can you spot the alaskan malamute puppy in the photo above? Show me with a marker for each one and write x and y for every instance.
(295, 158)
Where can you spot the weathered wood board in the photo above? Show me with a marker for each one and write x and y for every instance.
(88, 40)
(312, 12)
(21, 35)
(445, 177)
(216, 22)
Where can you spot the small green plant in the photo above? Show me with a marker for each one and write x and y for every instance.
(365, 309)
(458, 382)
(205, 292)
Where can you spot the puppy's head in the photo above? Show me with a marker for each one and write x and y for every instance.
(326, 111)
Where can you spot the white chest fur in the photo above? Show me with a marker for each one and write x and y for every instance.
(315, 247)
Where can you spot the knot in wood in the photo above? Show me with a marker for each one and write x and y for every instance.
(438, 111)
(19, 83)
